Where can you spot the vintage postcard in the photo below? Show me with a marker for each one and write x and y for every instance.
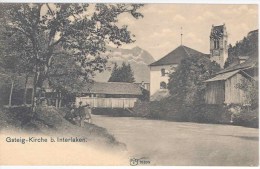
(121, 84)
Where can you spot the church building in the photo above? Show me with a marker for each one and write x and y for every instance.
(162, 68)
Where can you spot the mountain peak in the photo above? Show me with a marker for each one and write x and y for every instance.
(137, 48)
(138, 58)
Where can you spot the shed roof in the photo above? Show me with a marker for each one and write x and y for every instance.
(175, 56)
(223, 76)
(112, 88)
(250, 62)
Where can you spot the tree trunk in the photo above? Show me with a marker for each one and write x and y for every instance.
(57, 101)
(36, 76)
(25, 90)
(60, 100)
(11, 93)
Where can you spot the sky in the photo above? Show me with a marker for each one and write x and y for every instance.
(158, 32)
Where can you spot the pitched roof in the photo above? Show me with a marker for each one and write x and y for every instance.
(159, 95)
(223, 76)
(250, 62)
(219, 28)
(112, 88)
(175, 56)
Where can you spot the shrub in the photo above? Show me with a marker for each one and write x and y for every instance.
(164, 109)
(116, 112)
(247, 118)
(167, 109)
(206, 113)
(50, 116)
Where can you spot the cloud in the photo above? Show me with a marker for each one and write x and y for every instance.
(159, 31)
(179, 18)
(206, 16)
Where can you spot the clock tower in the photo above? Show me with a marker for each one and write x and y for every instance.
(219, 44)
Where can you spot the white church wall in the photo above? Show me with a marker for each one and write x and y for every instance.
(156, 76)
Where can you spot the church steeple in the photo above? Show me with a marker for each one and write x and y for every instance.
(218, 44)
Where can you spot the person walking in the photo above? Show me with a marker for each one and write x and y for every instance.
(71, 115)
(81, 114)
(88, 111)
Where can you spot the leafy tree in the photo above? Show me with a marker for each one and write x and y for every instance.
(123, 73)
(13, 61)
(232, 56)
(250, 87)
(248, 46)
(73, 27)
(186, 85)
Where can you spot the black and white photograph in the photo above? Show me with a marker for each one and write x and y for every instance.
(129, 84)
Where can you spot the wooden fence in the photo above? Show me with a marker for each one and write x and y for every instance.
(107, 102)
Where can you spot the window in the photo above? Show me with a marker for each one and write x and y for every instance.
(163, 85)
(163, 72)
(216, 44)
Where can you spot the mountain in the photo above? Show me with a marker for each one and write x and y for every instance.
(138, 58)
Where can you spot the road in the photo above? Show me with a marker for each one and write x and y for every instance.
(181, 143)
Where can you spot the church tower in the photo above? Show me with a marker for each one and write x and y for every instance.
(219, 44)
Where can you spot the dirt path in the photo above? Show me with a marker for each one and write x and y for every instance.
(175, 143)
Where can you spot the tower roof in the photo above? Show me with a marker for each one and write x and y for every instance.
(218, 31)
(175, 56)
(219, 28)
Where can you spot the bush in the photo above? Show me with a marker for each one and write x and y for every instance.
(206, 113)
(164, 109)
(115, 112)
(21, 114)
(247, 118)
(167, 109)
(50, 116)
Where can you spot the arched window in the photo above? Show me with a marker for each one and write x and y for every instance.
(163, 85)
(216, 44)
(163, 72)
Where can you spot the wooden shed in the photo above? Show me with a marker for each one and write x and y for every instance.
(223, 88)
(109, 94)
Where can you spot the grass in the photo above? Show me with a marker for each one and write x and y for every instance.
(51, 121)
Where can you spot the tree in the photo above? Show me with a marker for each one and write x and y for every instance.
(123, 73)
(72, 27)
(14, 59)
(186, 85)
(250, 87)
(114, 74)
(248, 46)
(232, 56)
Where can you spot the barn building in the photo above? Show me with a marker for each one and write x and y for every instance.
(109, 94)
(223, 87)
